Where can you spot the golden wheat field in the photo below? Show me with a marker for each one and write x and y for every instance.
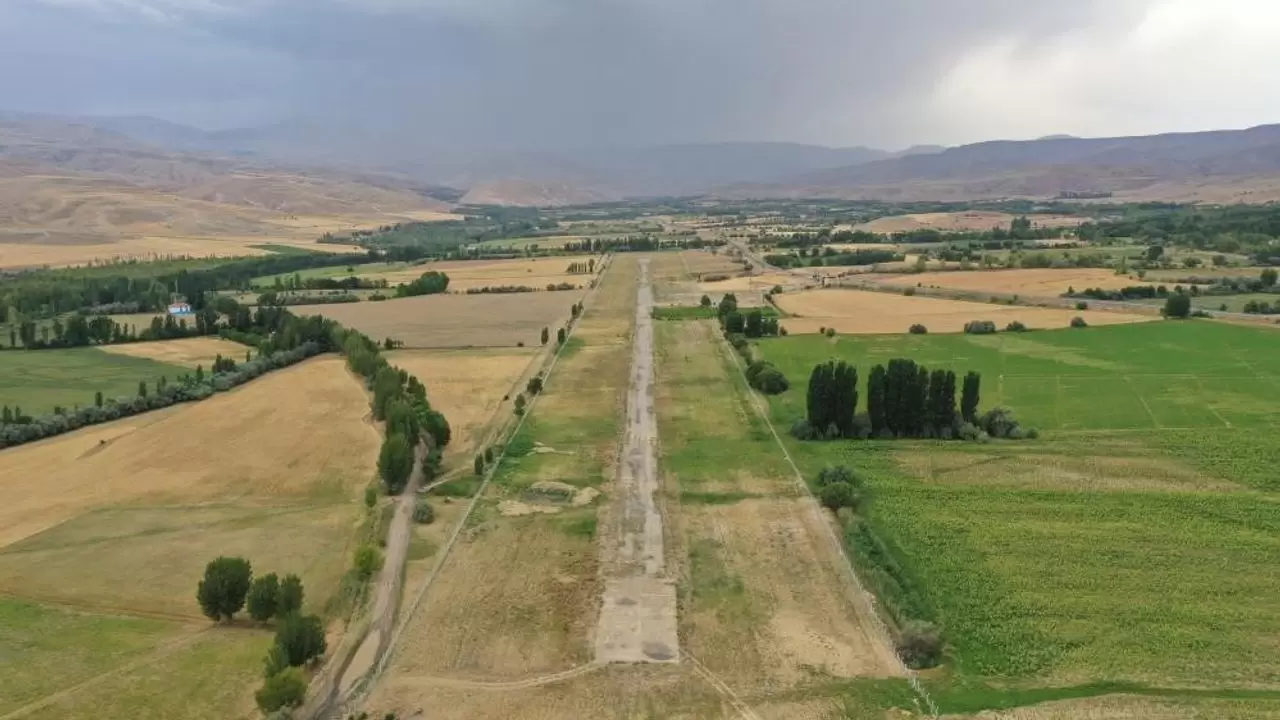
(1046, 282)
(281, 438)
(456, 321)
(868, 312)
(468, 386)
(187, 352)
(534, 272)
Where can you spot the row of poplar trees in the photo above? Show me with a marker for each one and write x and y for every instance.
(904, 399)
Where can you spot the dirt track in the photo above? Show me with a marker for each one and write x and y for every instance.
(638, 615)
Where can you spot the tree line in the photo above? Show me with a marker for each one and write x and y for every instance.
(904, 400)
(79, 330)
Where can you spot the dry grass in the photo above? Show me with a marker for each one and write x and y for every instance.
(1133, 707)
(867, 312)
(534, 272)
(959, 221)
(1031, 471)
(282, 438)
(188, 352)
(469, 387)
(455, 321)
(1031, 282)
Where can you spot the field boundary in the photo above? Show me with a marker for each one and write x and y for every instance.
(361, 687)
(861, 595)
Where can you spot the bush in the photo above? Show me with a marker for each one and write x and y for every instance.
(286, 688)
(1078, 322)
(918, 329)
(289, 600)
(1177, 306)
(967, 431)
(920, 645)
(832, 475)
(831, 332)
(909, 292)
(1015, 326)
(980, 327)
(1082, 305)
(838, 495)
(423, 513)
(368, 560)
(772, 382)
(802, 430)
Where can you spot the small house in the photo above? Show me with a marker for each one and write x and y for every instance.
(180, 308)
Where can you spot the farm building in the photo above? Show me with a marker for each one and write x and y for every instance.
(180, 308)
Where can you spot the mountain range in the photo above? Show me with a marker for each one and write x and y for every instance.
(391, 167)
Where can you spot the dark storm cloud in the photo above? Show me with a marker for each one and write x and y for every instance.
(554, 73)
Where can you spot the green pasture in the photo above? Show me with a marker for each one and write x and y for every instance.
(1158, 375)
(336, 272)
(37, 380)
(1135, 547)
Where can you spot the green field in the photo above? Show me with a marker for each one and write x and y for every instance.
(38, 380)
(336, 272)
(702, 313)
(1135, 546)
(1225, 303)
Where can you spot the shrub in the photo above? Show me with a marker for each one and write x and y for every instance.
(920, 645)
(980, 327)
(1177, 306)
(772, 382)
(1082, 305)
(967, 431)
(286, 688)
(1015, 326)
(837, 474)
(909, 292)
(368, 560)
(802, 430)
(831, 332)
(370, 497)
(423, 513)
(838, 495)
(1078, 322)
(918, 329)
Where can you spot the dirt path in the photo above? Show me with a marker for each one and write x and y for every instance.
(349, 668)
(638, 615)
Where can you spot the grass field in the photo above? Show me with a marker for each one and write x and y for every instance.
(1136, 543)
(869, 312)
(455, 321)
(38, 380)
(272, 471)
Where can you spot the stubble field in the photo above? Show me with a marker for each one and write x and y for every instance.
(455, 321)
(960, 221)
(186, 352)
(1046, 282)
(868, 312)
(271, 471)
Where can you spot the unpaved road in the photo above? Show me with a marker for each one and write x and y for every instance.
(347, 670)
(638, 615)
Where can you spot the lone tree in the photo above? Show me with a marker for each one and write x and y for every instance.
(970, 396)
(560, 336)
(546, 335)
(705, 301)
(289, 598)
(222, 591)
(395, 463)
(263, 594)
(479, 465)
(1177, 306)
(1268, 277)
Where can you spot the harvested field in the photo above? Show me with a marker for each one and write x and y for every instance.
(960, 221)
(868, 312)
(455, 321)
(535, 272)
(187, 352)
(468, 386)
(210, 451)
(270, 471)
(1030, 283)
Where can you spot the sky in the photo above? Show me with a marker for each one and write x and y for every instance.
(544, 74)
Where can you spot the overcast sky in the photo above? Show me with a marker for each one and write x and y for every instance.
(562, 73)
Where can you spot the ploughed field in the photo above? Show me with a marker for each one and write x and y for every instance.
(1136, 541)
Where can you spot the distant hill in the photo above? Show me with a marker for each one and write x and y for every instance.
(528, 193)
(1217, 166)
